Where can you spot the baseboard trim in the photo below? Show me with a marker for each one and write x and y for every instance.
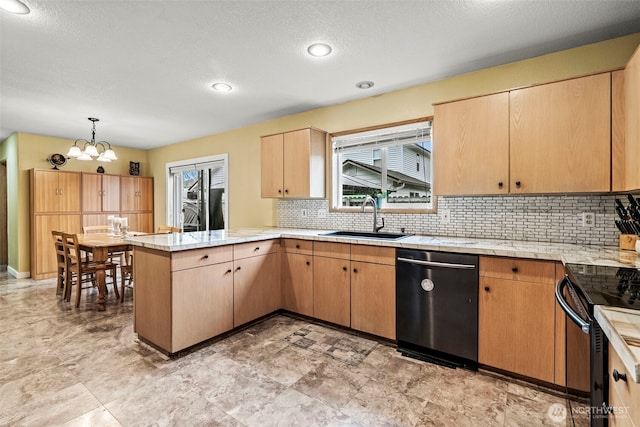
(16, 274)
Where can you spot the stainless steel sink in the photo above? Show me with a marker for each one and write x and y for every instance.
(367, 235)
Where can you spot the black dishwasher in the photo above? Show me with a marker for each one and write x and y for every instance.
(437, 306)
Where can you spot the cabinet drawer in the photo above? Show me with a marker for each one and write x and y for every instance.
(525, 270)
(297, 246)
(332, 250)
(246, 250)
(373, 254)
(183, 260)
(623, 395)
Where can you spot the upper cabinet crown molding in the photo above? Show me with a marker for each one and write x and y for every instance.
(293, 164)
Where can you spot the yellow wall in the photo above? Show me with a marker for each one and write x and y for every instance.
(246, 208)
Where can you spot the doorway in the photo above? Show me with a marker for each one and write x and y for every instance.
(4, 238)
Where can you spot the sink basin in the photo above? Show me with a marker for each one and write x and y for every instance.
(367, 235)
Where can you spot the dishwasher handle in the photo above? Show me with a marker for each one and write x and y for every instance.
(437, 264)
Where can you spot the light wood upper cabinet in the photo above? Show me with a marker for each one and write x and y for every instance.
(632, 122)
(560, 136)
(471, 146)
(100, 193)
(136, 193)
(55, 191)
(618, 149)
(293, 164)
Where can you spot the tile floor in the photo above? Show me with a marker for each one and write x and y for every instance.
(65, 366)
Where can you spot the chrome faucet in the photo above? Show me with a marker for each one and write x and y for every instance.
(374, 205)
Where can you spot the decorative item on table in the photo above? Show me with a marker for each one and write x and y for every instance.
(111, 225)
(56, 160)
(116, 226)
(124, 227)
(134, 168)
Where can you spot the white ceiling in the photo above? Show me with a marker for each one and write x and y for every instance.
(145, 67)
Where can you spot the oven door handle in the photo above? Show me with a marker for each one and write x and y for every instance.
(584, 325)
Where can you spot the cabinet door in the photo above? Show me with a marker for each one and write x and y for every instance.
(43, 252)
(560, 136)
(632, 124)
(516, 327)
(297, 283)
(91, 192)
(271, 165)
(471, 146)
(69, 183)
(46, 191)
(373, 299)
(142, 222)
(296, 163)
(128, 191)
(256, 287)
(202, 304)
(110, 193)
(332, 290)
(145, 194)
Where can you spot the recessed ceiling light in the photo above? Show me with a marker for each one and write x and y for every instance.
(221, 87)
(14, 6)
(319, 49)
(365, 84)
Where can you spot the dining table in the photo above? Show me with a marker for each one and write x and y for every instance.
(100, 245)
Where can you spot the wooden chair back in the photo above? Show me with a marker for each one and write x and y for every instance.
(167, 229)
(61, 261)
(95, 229)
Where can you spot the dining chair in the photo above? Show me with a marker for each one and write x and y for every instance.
(168, 229)
(61, 262)
(126, 273)
(80, 271)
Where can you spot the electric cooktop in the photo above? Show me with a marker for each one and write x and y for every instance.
(610, 286)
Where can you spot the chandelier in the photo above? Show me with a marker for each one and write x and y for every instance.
(90, 148)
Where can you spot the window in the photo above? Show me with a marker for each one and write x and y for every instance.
(197, 193)
(392, 164)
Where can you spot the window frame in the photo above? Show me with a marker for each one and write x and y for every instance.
(333, 177)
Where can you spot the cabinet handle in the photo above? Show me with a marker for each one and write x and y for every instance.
(297, 246)
(617, 376)
(344, 268)
(308, 263)
(286, 191)
(279, 191)
(205, 257)
(500, 184)
(355, 270)
(487, 289)
(238, 268)
(517, 184)
(257, 248)
(228, 271)
(61, 191)
(514, 269)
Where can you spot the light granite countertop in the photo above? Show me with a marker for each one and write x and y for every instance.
(622, 328)
(566, 253)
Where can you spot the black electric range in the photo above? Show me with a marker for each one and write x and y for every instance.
(605, 285)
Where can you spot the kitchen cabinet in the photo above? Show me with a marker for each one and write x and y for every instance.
(142, 222)
(516, 317)
(136, 193)
(293, 164)
(297, 276)
(550, 138)
(373, 290)
(183, 298)
(624, 393)
(55, 205)
(632, 124)
(618, 143)
(471, 146)
(560, 136)
(332, 282)
(256, 280)
(100, 193)
(55, 191)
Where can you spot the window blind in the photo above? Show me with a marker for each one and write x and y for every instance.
(380, 138)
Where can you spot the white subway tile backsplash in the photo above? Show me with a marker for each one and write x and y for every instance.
(555, 219)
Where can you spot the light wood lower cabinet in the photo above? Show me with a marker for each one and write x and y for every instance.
(332, 283)
(516, 317)
(43, 255)
(256, 281)
(373, 290)
(297, 276)
(180, 299)
(624, 393)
